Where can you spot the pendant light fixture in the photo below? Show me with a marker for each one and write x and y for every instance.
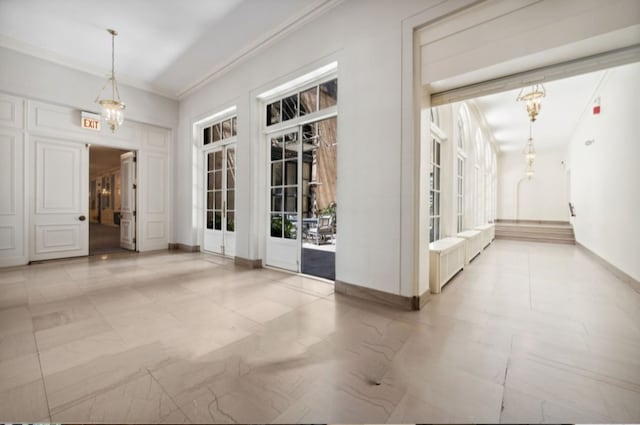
(113, 108)
(532, 100)
(529, 154)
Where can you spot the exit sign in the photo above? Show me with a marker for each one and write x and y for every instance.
(90, 121)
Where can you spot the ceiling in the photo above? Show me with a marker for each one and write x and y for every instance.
(565, 102)
(165, 46)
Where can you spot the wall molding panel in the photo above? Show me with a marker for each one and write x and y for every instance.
(27, 128)
(12, 182)
(11, 111)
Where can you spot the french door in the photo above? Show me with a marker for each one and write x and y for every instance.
(283, 227)
(128, 201)
(60, 176)
(220, 200)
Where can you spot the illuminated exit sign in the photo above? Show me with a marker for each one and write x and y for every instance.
(90, 121)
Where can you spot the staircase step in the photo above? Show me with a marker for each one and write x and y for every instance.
(537, 239)
(551, 232)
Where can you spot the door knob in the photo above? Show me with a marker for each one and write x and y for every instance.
(82, 218)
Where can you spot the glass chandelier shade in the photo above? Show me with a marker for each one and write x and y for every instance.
(532, 100)
(529, 170)
(529, 151)
(113, 108)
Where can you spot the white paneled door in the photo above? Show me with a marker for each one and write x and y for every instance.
(128, 201)
(60, 180)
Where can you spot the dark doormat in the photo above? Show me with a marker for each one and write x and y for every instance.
(319, 263)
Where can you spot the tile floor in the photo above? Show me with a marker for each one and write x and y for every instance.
(527, 333)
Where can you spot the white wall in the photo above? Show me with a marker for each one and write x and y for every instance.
(605, 177)
(365, 38)
(38, 79)
(543, 197)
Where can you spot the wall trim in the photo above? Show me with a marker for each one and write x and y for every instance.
(11, 262)
(635, 284)
(183, 247)
(394, 300)
(369, 294)
(420, 301)
(245, 262)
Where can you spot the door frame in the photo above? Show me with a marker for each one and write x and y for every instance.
(295, 125)
(136, 161)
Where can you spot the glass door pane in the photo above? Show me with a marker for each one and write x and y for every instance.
(230, 223)
(284, 186)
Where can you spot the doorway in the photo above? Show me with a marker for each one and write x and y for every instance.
(112, 200)
(319, 208)
(303, 211)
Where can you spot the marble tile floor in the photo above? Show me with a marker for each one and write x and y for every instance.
(527, 333)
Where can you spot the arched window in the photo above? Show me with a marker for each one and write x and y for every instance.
(462, 123)
(435, 116)
(435, 189)
(479, 147)
(487, 156)
(463, 127)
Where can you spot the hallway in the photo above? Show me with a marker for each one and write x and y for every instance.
(526, 333)
(104, 239)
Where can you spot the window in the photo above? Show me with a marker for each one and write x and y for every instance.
(487, 157)
(302, 103)
(478, 147)
(460, 195)
(220, 131)
(463, 127)
(434, 191)
(488, 197)
(461, 136)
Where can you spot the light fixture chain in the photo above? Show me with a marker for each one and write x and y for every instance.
(113, 60)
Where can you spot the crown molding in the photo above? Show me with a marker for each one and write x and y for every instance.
(292, 24)
(40, 53)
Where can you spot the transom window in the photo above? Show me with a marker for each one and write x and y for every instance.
(220, 130)
(303, 102)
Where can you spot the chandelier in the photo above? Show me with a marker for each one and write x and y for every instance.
(113, 108)
(532, 100)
